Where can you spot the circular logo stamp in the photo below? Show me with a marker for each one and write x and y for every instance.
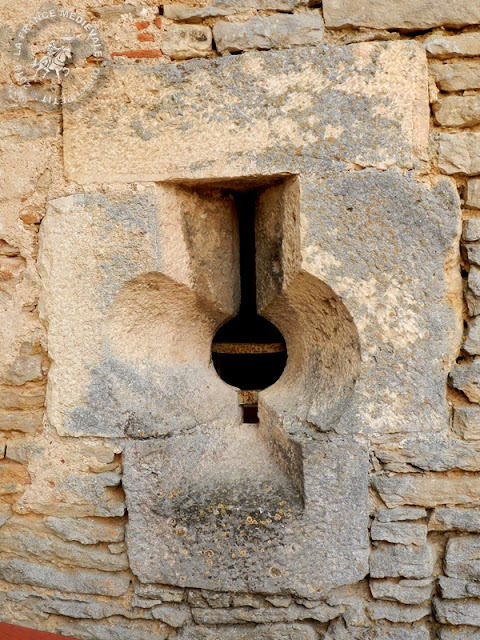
(48, 47)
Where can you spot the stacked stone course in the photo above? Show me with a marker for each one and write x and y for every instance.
(64, 565)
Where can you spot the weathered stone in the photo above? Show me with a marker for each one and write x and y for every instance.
(407, 15)
(217, 8)
(25, 421)
(447, 519)
(473, 197)
(320, 613)
(279, 31)
(474, 280)
(391, 561)
(114, 13)
(13, 477)
(400, 513)
(471, 230)
(187, 41)
(86, 530)
(173, 615)
(114, 628)
(80, 607)
(466, 375)
(379, 122)
(24, 397)
(464, 44)
(466, 420)
(457, 111)
(404, 591)
(428, 489)
(160, 592)
(453, 588)
(472, 342)
(456, 611)
(397, 612)
(458, 634)
(459, 153)
(292, 631)
(399, 532)
(457, 76)
(26, 367)
(28, 540)
(91, 581)
(461, 558)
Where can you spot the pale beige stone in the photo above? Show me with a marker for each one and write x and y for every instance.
(457, 76)
(186, 41)
(457, 111)
(473, 194)
(459, 153)
(428, 489)
(26, 421)
(466, 421)
(471, 230)
(465, 44)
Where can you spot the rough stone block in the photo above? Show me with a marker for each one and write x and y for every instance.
(256, 125)
(320, 613)
(459, 153)
(399, 532)
(293, 631)
(473, 194)
(449, 518)
(391, 561)
(114, 628)
(472, 342)
(464, 44)
(461, 558)
(457, 76)
(187, 41)
(13, 477)
(279, 31)
(457, 111)
(466, 376)
(453, 588)
(458, 634)
(397, 612)
(457, 612)
(471, 230)
(404, 591)
(86, 530)
(427, 489)
(400, 513)
(24, 397)
(217, 8)
(24, 421)
(408, 15)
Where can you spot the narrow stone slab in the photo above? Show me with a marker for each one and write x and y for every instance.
(457, 76)
(427, 489)
(407, 14)
(234, 116)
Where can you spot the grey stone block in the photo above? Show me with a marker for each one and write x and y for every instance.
(218, 8)
(390, 561)
(399, 532)
(86, 530)
(473, 194)
(457, 76)
(400, 513)
(471, 230)
(292, 631)
(449, 518)
(461, 558)
(466, 377)
(404, 591)
(397, 612)
(457, 612)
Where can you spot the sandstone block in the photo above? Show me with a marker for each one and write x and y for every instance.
(217, 8)
(472, 342)
(86, 530)
(24, 397)
(466, 375)
(273, 32)
(187, 41)
(457, 76)
(25, 421)
(249, 98)
(457, 111)
(449, 518)
(400, 513)
(391, 561)
(465, 44)
(457, 612)
(397, 612)
(428, 489)
(459, 153)
(473, 194)
(404, 591)
(471, 230)
(399, 532)
(37, 574)
(408, 15)
(13, 477)
(461, 558)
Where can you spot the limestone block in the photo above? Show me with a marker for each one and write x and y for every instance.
(427, 489)
(464, 44)
(25, 397)
(390, 561)
(400, 513)
(473, 194)
(399, 532)
(449, 518)
(459, 153)
(86, 530)
(24, 421)
(35, 573)
(471, 230)
(472, 342)
(279, 631)
(458, 634)
(173, 615)
(466, 377)
(408, 15)
(457, 76)
(473, 302)
(217, 8)
(461, 558)
(278, 31)
(337, 630)
(397, 612)
(404, 591)
(453, 588)
(186, 41)
(457, 111)
(114, 628)
(243, 121)
(320, 613)
(159, 592)
(457, 612)
(473, 253)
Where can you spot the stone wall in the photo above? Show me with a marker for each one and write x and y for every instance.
(64, 563)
